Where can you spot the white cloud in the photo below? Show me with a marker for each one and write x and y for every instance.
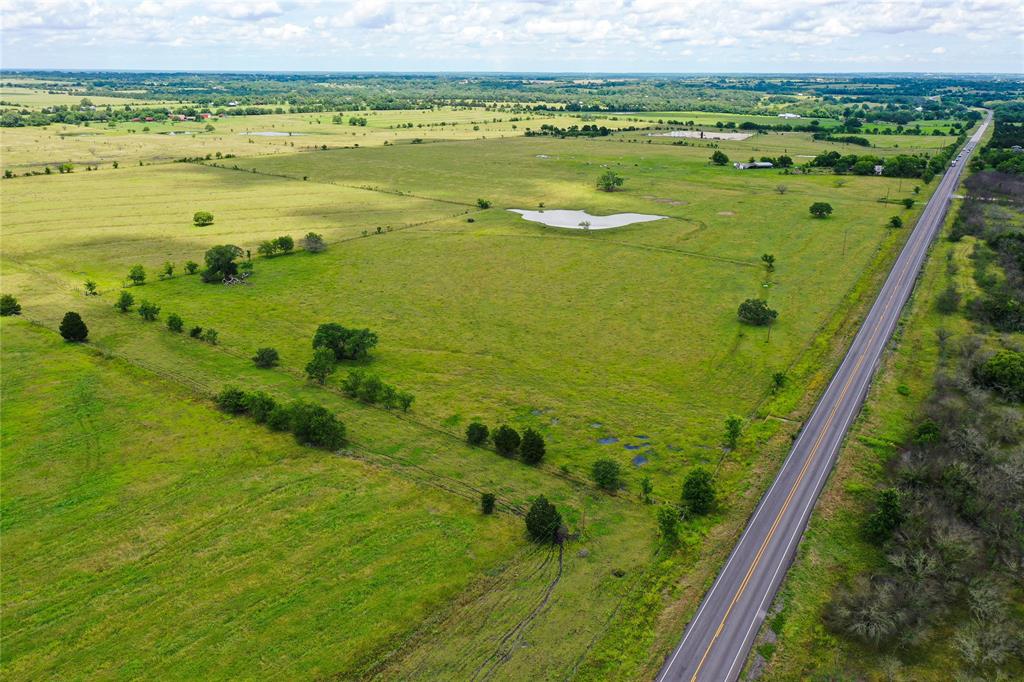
(939, 50)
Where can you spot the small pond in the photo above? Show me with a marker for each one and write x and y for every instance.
(578, 220)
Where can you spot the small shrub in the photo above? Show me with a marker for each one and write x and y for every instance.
(315, 425)
(606, 474)
(476, 434)
(266, 357)
(9, 306)
(72, 328)
(532, 448)
(609, 181)
(90, 288)
(720, 159)
(351, 383)
(149, 311)
(405, 400)
(196, 332)
(1003, 373)
(699, 492)
(948, 301)
(210, 336)
(668, 524)
(285, 244)
(313, 242)
(175, 323)
(137, 275)
(231, 400)
(259, 405)
(280, 418)
(487, 503)
(191, 267)
(483, 203)
(506, 440)
(370, 389)
(896, 222)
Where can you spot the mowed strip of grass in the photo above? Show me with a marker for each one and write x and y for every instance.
(146, 535)
(98, 225)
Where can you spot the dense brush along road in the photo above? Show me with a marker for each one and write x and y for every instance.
(715, 644)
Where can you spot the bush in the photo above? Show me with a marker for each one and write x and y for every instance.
(72, 328)
(371, 388)
(820, 209)
(202, 218)
(313, 242)
(231, 400)
(699, 492)
(149, 311)
(476, 434)
(506, 440)
(266, 357)
(220, 262)
(124, 302)
(175, 323)
(167, 270)
(483, 203)
(90, 288)
(259, 405)
(487, 503)
(606, 474)
(1003, 373)
(210, 336)
(895, 221)
(888, 515)
(191, 267)
(280, 418)
(351, 383)
(284, 244)
(9, 306)
(543, 521)
(908, 203)
(531, 449)
(405, 400)
(719, 158)
(756, 312)
(315, 425)
(668, 524)
(137, 275)
(347, 344)
(321, 366)
(196, 332)
(609, 181)
(267, 249)
(948, 301)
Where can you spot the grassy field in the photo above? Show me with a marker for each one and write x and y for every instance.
(627, 334)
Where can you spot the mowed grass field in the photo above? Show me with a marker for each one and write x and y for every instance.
(147, 535)
(627, 333)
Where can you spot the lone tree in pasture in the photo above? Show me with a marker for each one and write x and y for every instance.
(756, 312)
(609, 181)
(769, 262)
(476, 434)
(347, 344)
(532, 448)
(266, 357)
(220, 262)
(896, 221)
(137, 275)
(668, 524)
(543, 521)
(908, 203)
(781, 189)
(699, 492)
(719, 158)
(483, 203)
(733, 429)
(202, 218)
(506, 440)
(321, 366)
(124, 302)
(149, 311)
(72, 328)
(606, 474)
(819, 209)
(9, 306)
(313, 242)
(175, 323)
(487, 501)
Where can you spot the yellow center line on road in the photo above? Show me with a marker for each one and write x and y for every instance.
(796, 484)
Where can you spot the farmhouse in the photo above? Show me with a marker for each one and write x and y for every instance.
(753, 164)
(789, 115)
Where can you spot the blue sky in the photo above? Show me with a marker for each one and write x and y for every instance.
(545, 35)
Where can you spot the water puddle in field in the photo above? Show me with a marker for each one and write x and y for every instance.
(607, 441)
(581, 220)
(271, 133)
(639, 460)
(635, 447)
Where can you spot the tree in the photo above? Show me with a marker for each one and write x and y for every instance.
(405, 400)
(280, 418)
(820, 209)
(543, 521)
(769, 262)
(756, 312)
(351, 383)
(137, 275)
(259, 405)
(72, 328)
(487, 503)
(313, 242)
(895, 221)
(124, 302)
(646, 488)
(888, 515)
(532, 448)
(315, 425)
(781, 189)
(476, 434)
(1004, 373)
(778, 381)
(210, 336)
(90, 288)
(266, 357)
(196, 332)
(668, 524)
(175, 323)
(191, 267)
(149, 311)
(285, 244)
(370, 389)
(908, 203)
(231, 400)
(202, 218)
(506, 440)
(267, 248)
(606, 474)
(719, 158)
(321, 366)
(9, 306)
(699, 492)
(733, 429)
(347, 344)
(167, 271)
(483, 203)
(220, 262)
(609, 181)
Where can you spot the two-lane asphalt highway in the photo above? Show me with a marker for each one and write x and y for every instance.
(718, 638)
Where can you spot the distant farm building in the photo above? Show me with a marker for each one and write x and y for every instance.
(753, 164)
(789, 115)
(878, 169)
